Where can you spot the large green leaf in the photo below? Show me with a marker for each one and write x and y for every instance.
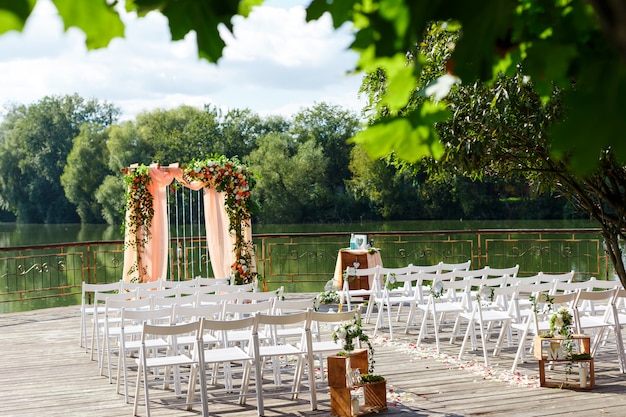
(203, 17)
(410, 138)
(13, 14)
(96, 18)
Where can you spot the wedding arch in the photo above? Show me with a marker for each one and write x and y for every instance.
(226, 186)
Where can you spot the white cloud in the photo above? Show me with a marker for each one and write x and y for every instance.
(274, 64)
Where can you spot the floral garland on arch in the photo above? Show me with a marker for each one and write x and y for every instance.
(236, 181)
(140, 209)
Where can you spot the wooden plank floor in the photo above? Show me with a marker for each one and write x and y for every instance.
(44, 372)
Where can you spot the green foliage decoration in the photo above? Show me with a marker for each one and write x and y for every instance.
(139, 204)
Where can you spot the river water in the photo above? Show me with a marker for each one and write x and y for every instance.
(12, 234)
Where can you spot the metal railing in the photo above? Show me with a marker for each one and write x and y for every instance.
(49, 275)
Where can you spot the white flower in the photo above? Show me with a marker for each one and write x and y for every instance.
(341, 333)
(559, 321)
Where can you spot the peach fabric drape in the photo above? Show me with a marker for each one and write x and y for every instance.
(220, 241)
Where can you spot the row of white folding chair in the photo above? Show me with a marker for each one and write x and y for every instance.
(157, 299)
(98, 293)
(173, 313)
(387, 284)
(255, 355)
(406, 288)
(587, 305)
(160, 298)
(415, 290)
(176, 313)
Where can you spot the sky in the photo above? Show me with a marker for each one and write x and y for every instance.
(275, 64)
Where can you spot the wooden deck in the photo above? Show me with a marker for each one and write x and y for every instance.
(44, 372)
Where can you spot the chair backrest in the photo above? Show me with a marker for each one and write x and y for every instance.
(587, 302)
(221, 328)
(202, 282)
(456, 291)
(461, 274)
(179, 284)
(531, 279)
(91, 290)
(216, 298)
(245, 287)
(116, 302)
(164, 292)
(374, 274)
(274, 322)
(254, 297)
(185, 313)
(238, 311)
(445, 266)
(402, 270)
(498, 272)
(524, 291)
(133, 286)
(566, 286)
(427, 269)
(292, 306)
(318, 318)
(410, 284)
(546, 304)
(172, 332)
(499, 297)
(602, 284)
(160, 316)
(567, 277)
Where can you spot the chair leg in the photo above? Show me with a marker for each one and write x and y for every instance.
(467, 332)
(520, 350)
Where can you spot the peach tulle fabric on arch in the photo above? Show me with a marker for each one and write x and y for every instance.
(155, 254)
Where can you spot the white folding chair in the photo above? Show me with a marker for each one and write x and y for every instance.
(322, 342)
(132, 319)
(408, 294)
(235, 311)
(619, 319)
(174, 360)
(446, 297)
(112, 324)
(539, 322)
(89, 309)
(374, 281)
(226, 356)
(592, 315)
(487, 310)
(378, 295)
(276, 348)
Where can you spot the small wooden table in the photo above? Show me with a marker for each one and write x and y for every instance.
(581, 344)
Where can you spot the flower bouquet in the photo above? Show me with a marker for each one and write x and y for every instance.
(346, 333)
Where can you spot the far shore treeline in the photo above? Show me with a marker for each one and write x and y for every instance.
(61, 159)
